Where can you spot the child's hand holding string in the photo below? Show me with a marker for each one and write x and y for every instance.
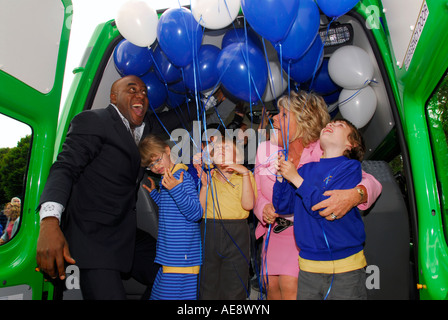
(288, 171)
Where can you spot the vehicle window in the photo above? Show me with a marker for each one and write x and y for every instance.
(32, 41)
(437, 115)
(15, 138)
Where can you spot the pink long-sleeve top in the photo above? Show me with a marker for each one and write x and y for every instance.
(265, 178)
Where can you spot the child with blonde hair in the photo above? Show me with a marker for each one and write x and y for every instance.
(228, 193)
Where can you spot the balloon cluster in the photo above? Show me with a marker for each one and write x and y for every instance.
(256, 62)
(350, 68)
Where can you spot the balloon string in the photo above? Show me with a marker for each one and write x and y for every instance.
(366, 83)
(321, 51)
(271, 80)
(158, 69)
(289, 119)
(268, 236)
(248, 75)
(245, 55)
(331, 257)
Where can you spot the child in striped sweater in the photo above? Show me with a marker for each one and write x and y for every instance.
(179, 250)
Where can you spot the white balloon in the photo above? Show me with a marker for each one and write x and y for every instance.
(277, 81)
(350, 67)
(137, 22)
(358, 106)
(215, 14)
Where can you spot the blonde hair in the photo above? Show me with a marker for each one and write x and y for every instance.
(151, 147)
(14, 210)
(311, 114)
(237, 157)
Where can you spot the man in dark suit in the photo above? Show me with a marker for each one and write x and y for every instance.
(94, 182)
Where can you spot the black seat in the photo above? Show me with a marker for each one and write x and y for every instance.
(148, 221)
(147, 212)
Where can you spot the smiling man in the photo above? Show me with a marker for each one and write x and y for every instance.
(130, 97)
(87, 208)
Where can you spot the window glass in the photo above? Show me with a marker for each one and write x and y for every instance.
(15, 139)
(437, 115)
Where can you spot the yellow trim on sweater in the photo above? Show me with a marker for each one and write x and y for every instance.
(179, 166)
(189, 270)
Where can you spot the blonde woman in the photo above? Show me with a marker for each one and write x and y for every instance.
(12, 212)
(297, 128)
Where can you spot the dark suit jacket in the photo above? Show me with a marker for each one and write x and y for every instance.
(96, 177)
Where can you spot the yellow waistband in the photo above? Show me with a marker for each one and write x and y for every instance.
(192, 270)
(353, 262)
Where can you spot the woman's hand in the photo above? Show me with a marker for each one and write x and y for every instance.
(269, 214)
(338, 204)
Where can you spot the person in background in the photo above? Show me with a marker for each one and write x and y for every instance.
(12, 212)
(16, 200)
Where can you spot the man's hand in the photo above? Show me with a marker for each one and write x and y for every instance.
(52, 249)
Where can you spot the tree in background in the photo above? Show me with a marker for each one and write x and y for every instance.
(13, 167)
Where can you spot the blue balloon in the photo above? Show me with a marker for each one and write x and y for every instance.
(332, 97)
(335, 9)
(237, 69)
(303, 69)
(130, 59)
(271, 19)
(302, 33)
(157, 92)
(239, 35)
(178, 87)
(167, 71)
(322, 83)
(179, 35)
(206, 74)
(175, 100)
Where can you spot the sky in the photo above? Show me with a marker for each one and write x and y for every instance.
(86, 16)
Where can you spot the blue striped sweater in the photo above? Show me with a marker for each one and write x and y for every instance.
(180, 212)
